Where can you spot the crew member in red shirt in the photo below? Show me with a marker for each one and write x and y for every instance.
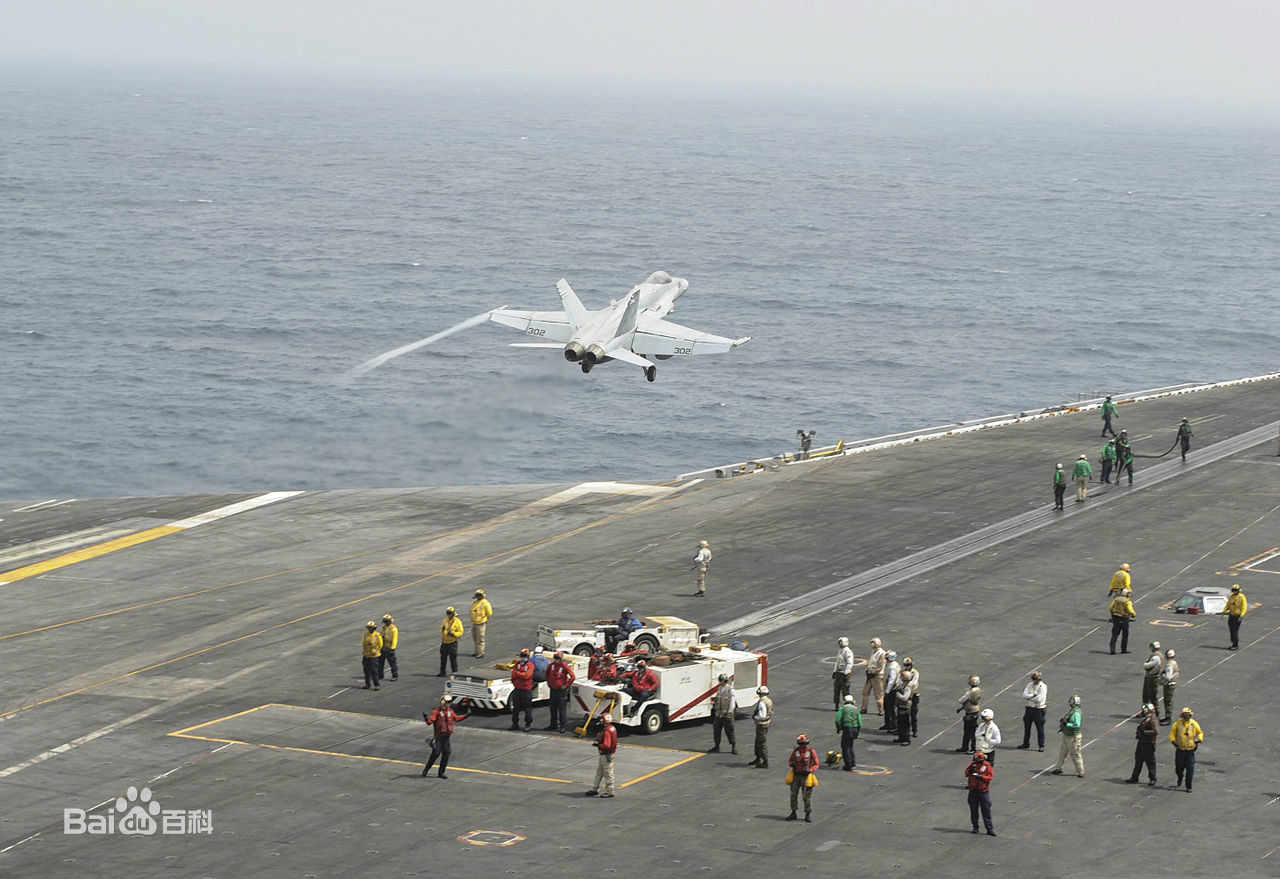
(522, 695)
(442, 720)
(607, 745)
(560, 678)
(643, 683)
(803, 762)
(979, 772)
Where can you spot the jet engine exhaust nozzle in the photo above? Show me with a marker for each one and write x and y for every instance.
(595, 354)
(573, 352)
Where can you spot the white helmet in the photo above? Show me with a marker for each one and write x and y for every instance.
(974, 680)
(607, 718)
(762, 690)
(987, 714)
(875, 642)
(843, 642)
(893, 654)
(1169, 653)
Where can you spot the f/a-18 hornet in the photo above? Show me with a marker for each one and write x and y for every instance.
(630, 329)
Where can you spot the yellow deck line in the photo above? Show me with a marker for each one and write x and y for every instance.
(88, 552)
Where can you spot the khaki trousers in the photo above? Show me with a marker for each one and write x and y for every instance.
(874, 685)
(1071, 747)
(477, 635)
(604, 772)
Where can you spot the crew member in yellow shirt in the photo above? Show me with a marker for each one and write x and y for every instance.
(371, 645)
(1237, 607)
(481, 611)
(390, 641)
(450, 632)
(1186, 736)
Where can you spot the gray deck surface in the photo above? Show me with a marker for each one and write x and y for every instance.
(219, 665)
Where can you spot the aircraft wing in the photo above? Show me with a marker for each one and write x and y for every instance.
(546, 326)
(656, 336)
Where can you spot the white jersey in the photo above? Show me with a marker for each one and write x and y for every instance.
(986, 736)
(844, 661)
(1036, 693)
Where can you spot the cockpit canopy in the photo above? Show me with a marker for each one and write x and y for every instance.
(658, 278)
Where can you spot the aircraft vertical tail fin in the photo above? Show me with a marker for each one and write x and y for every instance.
(628, 321)
(573, 307)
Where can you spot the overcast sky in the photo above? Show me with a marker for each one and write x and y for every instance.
(1221, 53)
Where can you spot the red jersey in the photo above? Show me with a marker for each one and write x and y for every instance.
(979, 775)
(560, 675)
(443, 718)
(522, 675)
(646, 681)
(803, 759)
(607, 741)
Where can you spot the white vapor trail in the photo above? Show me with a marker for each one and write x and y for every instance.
(375, 362)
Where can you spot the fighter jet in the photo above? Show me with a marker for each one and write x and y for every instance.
(631, 329)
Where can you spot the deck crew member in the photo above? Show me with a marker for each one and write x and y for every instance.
(1184, 437)
(700, 561)
(762, 717)
(1082, 473)
(1124, 457)
(723, 707)
(892, 680)
(560, 678)
(442, 721)
(987, 735)
(1151, 670)
(840, 674)
(803, 763)
(481, 613)
(1169, 683)
(1108, 459)
(1108, 410)
(902, 704)
(1122, 613)
(1036, 696)
(450, 632)
(909, 666)
(540, 661)
(875, 677)
(1119, 581)
(1145, 752)
(1059, 486)
(522, 694)
(1237, 607)
(979, 774)
(1071, 726)
(390, 641)
(849, 725)
(621, 630)
(1186, 736)
(606, 746)
(643, 684)
(371, 649)
(971, 705)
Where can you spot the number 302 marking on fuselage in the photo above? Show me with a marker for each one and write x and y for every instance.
(534, 331)
(681, 350)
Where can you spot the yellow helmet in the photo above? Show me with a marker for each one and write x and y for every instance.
(1125, 566)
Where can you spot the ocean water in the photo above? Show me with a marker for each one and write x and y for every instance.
(191, 269)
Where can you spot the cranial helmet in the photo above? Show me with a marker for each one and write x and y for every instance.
(875, 642)
(1035, 675)
(974, 680)
(803, 739)
(1074, 701)
(723, 677)
(1125, 566)
(1155, 645)
(1169, 653)
(371, 625)
(607, 718)
(762, 690)
(843, 642)
(893, 654)
(987, 714)
(979, 755)
(1235, 587)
